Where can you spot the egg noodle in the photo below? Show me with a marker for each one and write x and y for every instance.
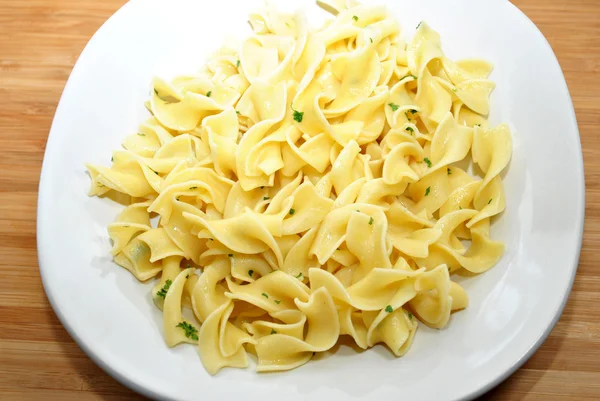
(311, 184)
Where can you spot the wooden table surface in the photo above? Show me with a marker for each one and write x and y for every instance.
(40, 41)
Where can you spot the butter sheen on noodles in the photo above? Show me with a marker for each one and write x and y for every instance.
(310, 184)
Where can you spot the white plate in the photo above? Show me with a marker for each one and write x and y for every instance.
(513, 306)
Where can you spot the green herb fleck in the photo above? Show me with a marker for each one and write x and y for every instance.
(427, 191)
(265, 198)
(292, 211)
(412, 113)
(208, 93)
(238, 64)
(449, 171)
(250, 273)
(355, 18)
(163, 291)
(187, 275)
(264, 294)
(389, 309)
(273, 331)
(277, 301)
(298, 115)
(141, 134)
(190, 331)
(428, 162)
(409, 75)
(371, 39)
(410, 129)
(410, 315)
(193, 187)
(490, 201)
(478, 125)
(393, 106)
(299, 276)
(419, 24)
(167, 99)
(460, 208)
(237, 112)
(112, 159)
(371, 221)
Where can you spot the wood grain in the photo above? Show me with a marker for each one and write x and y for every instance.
(40, 41)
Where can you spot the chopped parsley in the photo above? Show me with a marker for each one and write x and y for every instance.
(193, 187)
(409, 75)
(298, 115)
(460, 208)
(112, 159)
(299, 276)
(355, 18)
(427, 191)
(238, 64)
(167, 99)
(490, 201)
(371, 39)
(264, 294)
(208, 93)
(250, 273)
(389, 309)
(265, 198)
(410, 315)
(410, 129)
(141, 134)
(393, 106)
(237, 112)
(449, 171)
(371, 221)
(190, 330)
(419, 24)
(277, 301)
(292, 211)
(427, 161)
(273, 331)
(411, 111)
(163, 291)
(478, 125)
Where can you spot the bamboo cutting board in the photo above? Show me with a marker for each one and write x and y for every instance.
(40, 41)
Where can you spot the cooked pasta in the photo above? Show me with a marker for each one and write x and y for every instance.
(309, 184)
